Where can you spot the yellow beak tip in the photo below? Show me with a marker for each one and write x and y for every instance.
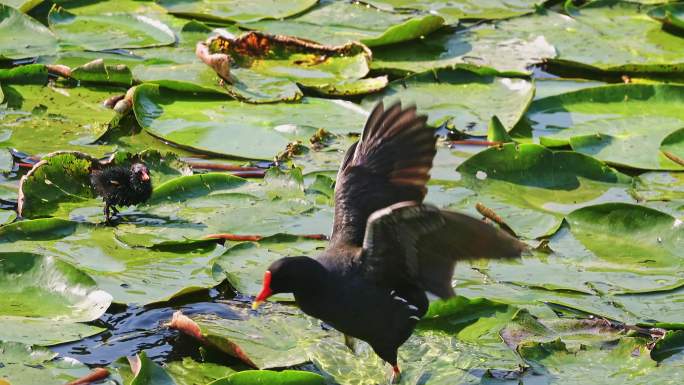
(256, 304)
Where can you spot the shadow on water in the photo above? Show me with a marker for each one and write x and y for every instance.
(132, 329)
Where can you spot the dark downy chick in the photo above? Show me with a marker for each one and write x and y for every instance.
(121, 186)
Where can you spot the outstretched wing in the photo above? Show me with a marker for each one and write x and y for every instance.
(389, 164)
(413, 243)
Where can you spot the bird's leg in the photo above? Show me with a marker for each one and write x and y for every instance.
(396, 374)
(107, 215)
(350, 342)
(115, 211)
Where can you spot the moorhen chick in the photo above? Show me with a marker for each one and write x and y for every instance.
(121, 186)
(387, 248)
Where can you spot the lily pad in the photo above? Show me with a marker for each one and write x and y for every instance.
(236, 10)
(46, 294)
(258, 377)
(629, 125)
(461, 99)
(339, 22)
(468, 9)
(22, 5)
(38, 120)
(25, 364)
(130, 274)
(670, 15)
(123, 30)
(629, 236)
(256, 341)
(45, 287)
(672, 343)
(480, 48)
(628, 362)
(189, 371)
(201, 123)
(606, 36)
(659, 186)
(21, 36)
(531, 187)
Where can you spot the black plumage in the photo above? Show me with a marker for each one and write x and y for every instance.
(121, 186)
(387, 248)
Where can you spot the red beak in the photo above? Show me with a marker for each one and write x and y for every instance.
(145, 176)
(265, 291)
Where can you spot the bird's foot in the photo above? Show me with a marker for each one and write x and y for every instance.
(396, 375)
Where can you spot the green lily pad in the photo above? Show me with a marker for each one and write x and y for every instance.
(236, 10)
(22, 5)
(574, 332)
(61, 179)
(468, 9)
(201, 123)
(671, 344)
(190, 186)
(244, 264)
(21, 36)
(124, 30)
(301, 61)
(629, 125)
(49, 295)
(626, 362)
(25, 364)
(45, 287)
(483, 49)
(669, 14)
(189, 371)
(629, 236)
(258, 377)
(473, 320)
(531, 187)
(149, 373)
(612, 36)
(37, 230)
(38, 120)
(131, 274)
(256, 341)
(659, 186)
(338, 22)
(461, 99)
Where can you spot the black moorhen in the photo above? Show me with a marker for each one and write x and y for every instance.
(387, 248)
(121, 186)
